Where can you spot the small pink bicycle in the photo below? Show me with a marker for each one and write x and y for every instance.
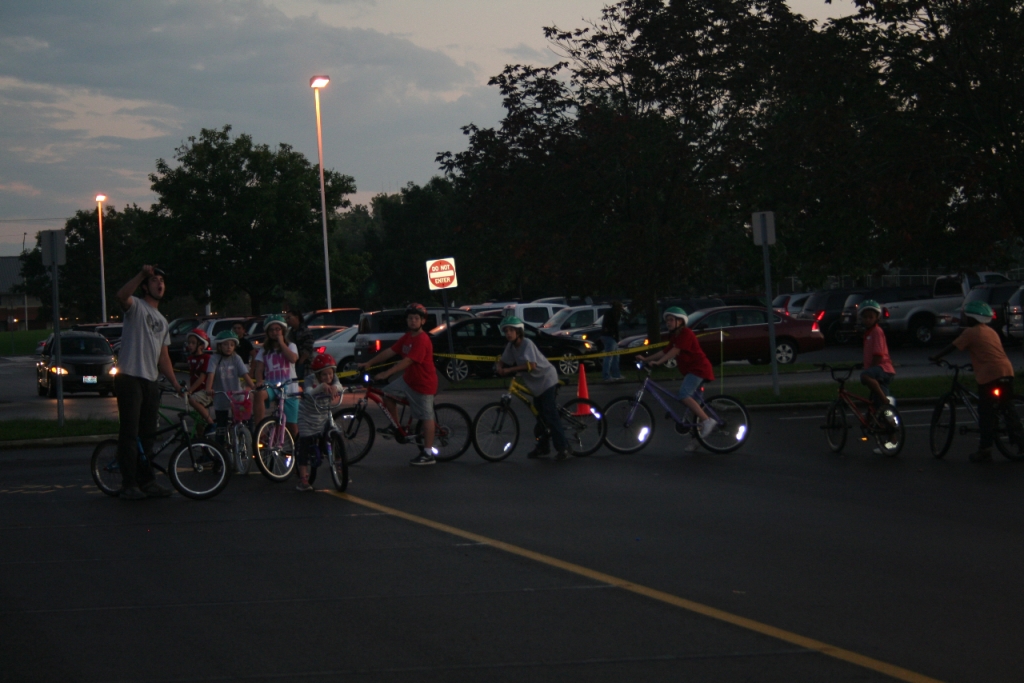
(275, 446)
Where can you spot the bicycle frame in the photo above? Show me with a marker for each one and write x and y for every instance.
(660, 394)
(277, 437)
(377, 396)
(519, 390)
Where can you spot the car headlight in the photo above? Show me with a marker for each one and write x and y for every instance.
(57, 370)
(113, 370)
(588, 345)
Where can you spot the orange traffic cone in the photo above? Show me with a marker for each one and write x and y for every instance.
(582, 392)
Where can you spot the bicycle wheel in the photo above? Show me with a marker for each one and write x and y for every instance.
(1009, 437)
(275, 455)
(242, 441)
(732, 428)
(583, 424)
(890, 433)
(337, 461)
(495, 432)
(200, 471)
(629, 425)
(836, 426)
(106, 472)
(452, 433)
(943, 426)
(356, 426)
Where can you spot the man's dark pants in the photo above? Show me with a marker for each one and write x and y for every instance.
(548, 408)
(138, 400)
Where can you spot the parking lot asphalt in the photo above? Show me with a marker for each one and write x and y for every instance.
(780, 562)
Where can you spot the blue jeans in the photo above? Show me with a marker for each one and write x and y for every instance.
(610, 368)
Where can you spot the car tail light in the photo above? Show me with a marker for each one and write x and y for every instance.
(821, 314)
(376, 345)
(815, 327)
(321, 349)
(885, 312)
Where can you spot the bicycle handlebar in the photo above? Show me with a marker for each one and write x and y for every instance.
(844, 373)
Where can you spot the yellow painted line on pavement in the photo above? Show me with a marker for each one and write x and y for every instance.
(896, 672)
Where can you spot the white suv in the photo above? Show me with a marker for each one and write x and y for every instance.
(568, 320)
(535, 313)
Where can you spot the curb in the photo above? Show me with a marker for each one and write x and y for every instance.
(821, 405)
(59, 441)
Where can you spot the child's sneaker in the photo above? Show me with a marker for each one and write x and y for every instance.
(706, 427)
(303, 486)
(423, 458)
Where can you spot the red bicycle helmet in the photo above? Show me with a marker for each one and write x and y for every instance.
(322, 360)
(204, 339)
(418, 309)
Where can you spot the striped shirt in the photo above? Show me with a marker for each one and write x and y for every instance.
(312, 420)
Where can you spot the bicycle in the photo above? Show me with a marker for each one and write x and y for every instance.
(1009, 436)
(275, 445)
(631, 422)
(197, 469)
(237, 439)
(884, 423)
(332, 442)
(496, 427)
(451, 435)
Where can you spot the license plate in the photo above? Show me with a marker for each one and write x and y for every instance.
(89, 379)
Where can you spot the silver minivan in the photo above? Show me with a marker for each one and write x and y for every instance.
(568, 320)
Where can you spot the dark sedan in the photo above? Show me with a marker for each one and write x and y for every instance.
(741, 333)
(481, 337)
(86, 364)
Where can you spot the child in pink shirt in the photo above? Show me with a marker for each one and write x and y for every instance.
(878, 369)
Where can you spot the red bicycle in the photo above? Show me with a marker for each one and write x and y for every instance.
(883, 424)
(451, 437)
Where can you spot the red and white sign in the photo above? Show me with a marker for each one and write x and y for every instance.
(441, 274)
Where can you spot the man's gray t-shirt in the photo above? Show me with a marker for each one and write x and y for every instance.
(227, 371)
(542, 377)
(142, 337)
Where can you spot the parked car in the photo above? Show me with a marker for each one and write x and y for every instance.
(87, 363)
(936, 315)
(826, 307)
(848, 323)
(568, 320)
(327, 320)
(996, 296)
(477, 309)
(179, 329)
(533, 313)
(741, 333)
(790, 304)
(341, 345)
(1014, 322)
(481, 337)
(380, 329)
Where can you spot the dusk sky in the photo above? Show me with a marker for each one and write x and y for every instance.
(92, 93)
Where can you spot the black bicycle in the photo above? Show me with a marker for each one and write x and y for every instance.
(330, 446)
(197, 469)
(1009, 436)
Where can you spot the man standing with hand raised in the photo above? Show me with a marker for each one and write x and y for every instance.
(142, 358)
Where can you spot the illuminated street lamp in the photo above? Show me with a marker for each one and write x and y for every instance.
(100, 198)
(317, 82)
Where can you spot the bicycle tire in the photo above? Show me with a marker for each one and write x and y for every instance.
(890, 441)
(584, 432)
(337, 461)
(106, 471)
(452, 432)
(199, 471)
(276, 464)
(356, 426)
(732, 428)
(243, 448)
(629, 425)
(495, 432)
(836, 426)
(1012, 449)
(942, 426)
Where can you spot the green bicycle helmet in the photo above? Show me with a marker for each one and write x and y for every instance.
(275, 319)
(869, 305)
(226, 335)
(675, 312)
(511, 321)
(980, 311)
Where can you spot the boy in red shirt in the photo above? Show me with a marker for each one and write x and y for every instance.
(693, 364)
(878, 369)
(197, 344)
(419, 380)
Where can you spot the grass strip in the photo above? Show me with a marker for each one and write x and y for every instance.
(914, 387)
(21, 342)
(15, 430)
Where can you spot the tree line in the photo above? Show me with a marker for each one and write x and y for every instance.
(889, 138)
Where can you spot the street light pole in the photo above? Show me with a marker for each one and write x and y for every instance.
(317, 82)
(100, 198)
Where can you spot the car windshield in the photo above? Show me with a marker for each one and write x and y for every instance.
(184, 326)
(780, 301)
(691, 320)
(816, 302)
(978, 294)
(558, 318)
(85, 346)
(853, 300)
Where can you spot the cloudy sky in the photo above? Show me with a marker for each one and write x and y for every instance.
(92, 93)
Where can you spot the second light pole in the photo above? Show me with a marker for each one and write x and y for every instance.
(317, 82)
(100, 198)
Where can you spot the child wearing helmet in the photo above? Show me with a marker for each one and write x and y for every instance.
(692, 362)
(878, 370)
(223, 373)
(992, 369)
(419, 379)
(274, 364)
(197, 345)
(540, 377)
(321, 380)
